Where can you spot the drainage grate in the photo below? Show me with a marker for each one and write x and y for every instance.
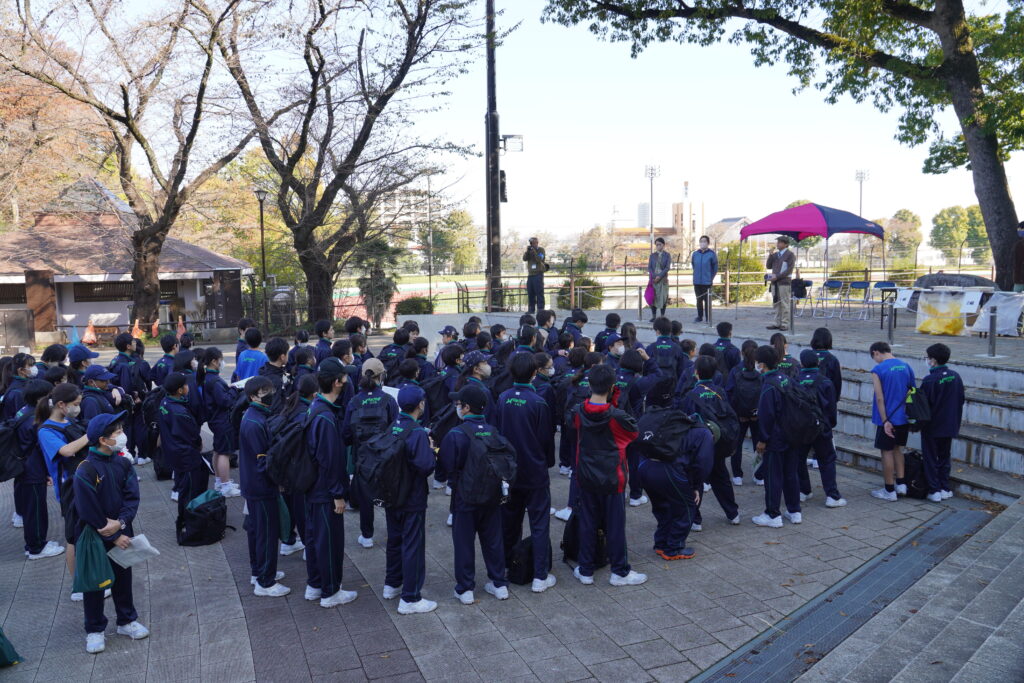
(782, 653)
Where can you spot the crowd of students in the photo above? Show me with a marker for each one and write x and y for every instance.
(661, 424)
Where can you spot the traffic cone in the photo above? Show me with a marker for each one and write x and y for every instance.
(137, 331)
(90, 334)
(181, 326)
(75, 339)
(154, 331)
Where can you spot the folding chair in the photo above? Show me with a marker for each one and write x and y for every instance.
(881, 293)
(856, 297)
(802, 293)
(830, 296)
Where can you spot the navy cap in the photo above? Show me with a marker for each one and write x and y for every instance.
(449, 331)
(808, 358)
(410, 396)
(610, 340)
(662, 393)
(97, 372)
(80, 352)
(474, 358)
(472, 396)
(99, 424)
(331, 367)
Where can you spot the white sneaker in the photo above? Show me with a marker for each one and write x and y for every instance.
(437, 485)
(737, 481)
(806, 496)
(831, 502)
(230, 489)
(51, 549)
(17, 521)
(133, 630)
(391, 592)
(564, 514)
(450, 520)
(95, 643)
(447, 492)
(421, 606)
(313, 593)
(106, 594)
(276, 591)
(631, 579)
(174, 496)
(466, 597)
(696, 527)
(764, 520)
(901, 489)
(946, 494)
(564, 470)
(342, 597)
(365, 542)
(552, 511)
(637, 502)
(77, 597)
(541, 585)
(143, 461)
(759, 482)
(585, 580)
(735, 521)
(793, 517)
(933, 497)
(500, 592)
(287, 549)
(277, 577)
(707, 487)
(884, 495)
(812, 463)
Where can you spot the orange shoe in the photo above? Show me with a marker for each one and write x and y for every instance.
(684, 554)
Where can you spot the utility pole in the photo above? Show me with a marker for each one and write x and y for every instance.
(861, 176)
(430, 246)
(494, 297)
(652, 172)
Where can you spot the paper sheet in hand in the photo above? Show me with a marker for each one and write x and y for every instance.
(240, 384)
(391, 391)
(139, 550)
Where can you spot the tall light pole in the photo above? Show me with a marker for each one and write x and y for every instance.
(861, 176)
(652, 172)
(430, 246)
(261, 196)
(493, 172)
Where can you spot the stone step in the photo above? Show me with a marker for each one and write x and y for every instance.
(980, 446)
(983, 407)
(983, 483)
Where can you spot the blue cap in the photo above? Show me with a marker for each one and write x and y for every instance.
(808, 358)
(410, 396)
(449, 331)
(610, 340)
(99, 424)
(80, 352)
(474, 358)
(97, 372)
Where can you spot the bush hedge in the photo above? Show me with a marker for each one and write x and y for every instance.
(589, 294)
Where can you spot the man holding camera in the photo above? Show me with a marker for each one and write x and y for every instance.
(536, 266)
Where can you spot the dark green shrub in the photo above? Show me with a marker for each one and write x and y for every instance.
(589, 294)
(414, 305)
(746, 274)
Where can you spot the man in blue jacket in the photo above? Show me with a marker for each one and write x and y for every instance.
(262, 524)
(181, 442)
(945, 392)
(522, 417)
(705, 267)
(810, 376)
(325, 502)
(779, 466)
(107, 499)
(407, 550)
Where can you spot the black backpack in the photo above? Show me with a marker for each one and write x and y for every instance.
(571, 543)
(661, 431)
(383, 469)
(519, 562)
(443, 422)
(436, 392)
(490, 462)
(12, 459)
(713, 408)
(598, 473)
(575, 395)
(369, 418)
(391, 356)
(289, 462)
(237, 412)
(204, 523)
(501, 383)
(747, 393)
(721, 360)
(913, 473)
(919, 411)
(66, 467)
(805, 421)
(151, 415)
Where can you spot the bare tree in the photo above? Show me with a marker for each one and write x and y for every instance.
(151, 76)
(364, 70)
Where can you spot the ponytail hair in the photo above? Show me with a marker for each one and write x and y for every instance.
(419, 345)
(628, 334)
(62, 393)
(200, 355)
(747, 350)
(19, 361)
(183, 361)
(368, 381)
(778, 341)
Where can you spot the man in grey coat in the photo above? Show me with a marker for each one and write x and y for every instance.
(658, 265)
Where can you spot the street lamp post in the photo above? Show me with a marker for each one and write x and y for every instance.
(861, 176)
(652, 172)
(261, 196)
(430, 246)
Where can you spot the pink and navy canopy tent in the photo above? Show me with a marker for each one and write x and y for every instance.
(812, 220)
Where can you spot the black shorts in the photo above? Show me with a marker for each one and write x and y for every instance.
(884, 442)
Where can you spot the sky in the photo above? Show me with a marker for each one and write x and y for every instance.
(592, 119)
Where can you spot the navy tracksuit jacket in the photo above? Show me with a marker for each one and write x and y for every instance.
(780, 461)
(325, 552)
(729, 350)
(721, 485)
(30, 485)
(262, 524)
(181, 444)
(945, 392)
(823, 448)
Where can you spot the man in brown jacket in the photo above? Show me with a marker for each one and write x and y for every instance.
(782, 263)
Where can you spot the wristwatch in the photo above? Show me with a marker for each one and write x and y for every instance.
(123, 525)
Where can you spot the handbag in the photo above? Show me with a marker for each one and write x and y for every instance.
(649, 292)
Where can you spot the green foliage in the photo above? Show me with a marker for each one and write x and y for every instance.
(378, 285)
(850, 268)
(957, 225)
(902, 272)
(746, 274)
(454, 243)
(589, 294)
(414, 305)
(902, 231)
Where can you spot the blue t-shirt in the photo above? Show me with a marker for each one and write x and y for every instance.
(51, 441)
(249, 362)
(896, 377)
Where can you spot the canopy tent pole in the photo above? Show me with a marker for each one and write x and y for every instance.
(826, 259)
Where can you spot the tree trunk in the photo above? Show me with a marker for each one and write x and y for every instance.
(319, 288)
(145, 273)
(990, 185)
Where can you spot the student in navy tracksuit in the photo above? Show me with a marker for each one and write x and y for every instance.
(324, 334)
(604, 434)
(143, 385)
(674, 487)
(325, 502)
(788, 365)
(274, 370)
(262, 524)
(127, 377)
(574, 325)
(665, 356)
(611, 322)
(823, 448)
(418, 352)
(107, 499)
(164, 366)
(80, 358)
(301, 342)
(305, 359)
(522, 417)
(406, 550)
(180, 441)
(945, 392)
(30, 485)
(542, 381)
(218, 401)
(295, 410)
(743, 385)
(725, 345)
(779, 466)
(373, 401)
(186, 363)
(828, 365)
(95, 396)
(472, 521)
(16, 375)
(633, 384)
(408, 375)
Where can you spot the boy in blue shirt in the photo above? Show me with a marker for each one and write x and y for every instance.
(250, 361)
(892, 379)
(945, 393)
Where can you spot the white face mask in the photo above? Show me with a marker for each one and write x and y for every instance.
(484, 370)
(195, 365)
(549, 371)
(618, 349)
(33, 371)
(121, 442)
(71, 412)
